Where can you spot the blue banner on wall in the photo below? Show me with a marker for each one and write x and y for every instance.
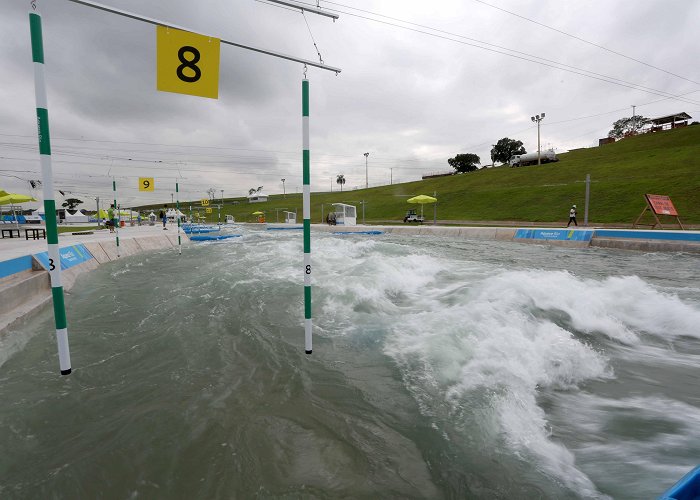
(554, 234)
(70, 256)
(13, 266)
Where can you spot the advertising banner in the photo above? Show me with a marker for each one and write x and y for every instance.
(661, 205)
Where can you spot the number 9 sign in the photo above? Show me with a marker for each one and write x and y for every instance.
(187, 63)
(146, 184)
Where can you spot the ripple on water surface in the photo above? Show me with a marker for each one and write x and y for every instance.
(441, 368)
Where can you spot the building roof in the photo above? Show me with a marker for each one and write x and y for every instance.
(670, 118)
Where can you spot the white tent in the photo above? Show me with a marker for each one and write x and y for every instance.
(172, 213)
(76, 218)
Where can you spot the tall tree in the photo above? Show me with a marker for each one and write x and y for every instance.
(340, 180)
(625, 127)
(505, 148)
(71, 203)
(466, 162)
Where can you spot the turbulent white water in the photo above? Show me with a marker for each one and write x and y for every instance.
(441, 368)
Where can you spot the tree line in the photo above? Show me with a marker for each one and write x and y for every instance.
(506, 148)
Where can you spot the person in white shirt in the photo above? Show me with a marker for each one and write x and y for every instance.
(572, 216)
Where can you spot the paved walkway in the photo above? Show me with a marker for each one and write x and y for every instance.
(11, 248)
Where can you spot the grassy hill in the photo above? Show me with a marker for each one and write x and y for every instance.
(666, 163)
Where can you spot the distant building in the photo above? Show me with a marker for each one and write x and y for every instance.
(606, 140)
(257, 197)
(668, 122)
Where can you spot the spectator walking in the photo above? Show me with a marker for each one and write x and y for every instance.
(572, 216)
(164, 216)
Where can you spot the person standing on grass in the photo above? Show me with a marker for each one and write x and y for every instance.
(572, 216)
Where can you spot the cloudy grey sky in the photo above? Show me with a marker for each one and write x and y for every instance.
(420, 82)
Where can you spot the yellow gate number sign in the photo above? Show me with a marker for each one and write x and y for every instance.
(205, 202)
(187, 63)
(208, 210)
(146, 184)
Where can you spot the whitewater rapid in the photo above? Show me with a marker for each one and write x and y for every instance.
(478, 369)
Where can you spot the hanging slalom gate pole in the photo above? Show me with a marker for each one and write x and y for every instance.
(42, 117)
(306, 155)
(177, 215)
(118, 218)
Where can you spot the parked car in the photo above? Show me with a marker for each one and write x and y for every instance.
(412, 216)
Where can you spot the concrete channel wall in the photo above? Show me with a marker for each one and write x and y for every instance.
(25, 292)
(647, 241)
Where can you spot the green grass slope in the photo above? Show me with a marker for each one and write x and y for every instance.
(666, 163)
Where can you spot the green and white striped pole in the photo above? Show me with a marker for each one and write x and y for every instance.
(42, 117)
(306, 155)
(118, 218)
(177, 216)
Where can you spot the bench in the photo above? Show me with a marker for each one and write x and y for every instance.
(36, 232)
(10, 231)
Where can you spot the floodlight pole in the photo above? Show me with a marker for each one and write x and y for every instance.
(366, 176)
(42, 120)
(538, 119)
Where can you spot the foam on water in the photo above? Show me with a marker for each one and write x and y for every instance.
(457, 329)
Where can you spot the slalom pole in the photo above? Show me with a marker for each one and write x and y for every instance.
(306, 156)
(177, 215)
(116, 207)
(42, 117)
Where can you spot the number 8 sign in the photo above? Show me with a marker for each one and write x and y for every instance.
(146, 184)
(187, 63)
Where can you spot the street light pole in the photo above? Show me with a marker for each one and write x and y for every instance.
(538, 119)
(366, 172)
(391, 176)
(171, 198)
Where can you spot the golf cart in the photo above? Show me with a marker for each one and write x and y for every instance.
(412, 216)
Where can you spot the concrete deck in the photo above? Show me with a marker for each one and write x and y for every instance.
(18, 247)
